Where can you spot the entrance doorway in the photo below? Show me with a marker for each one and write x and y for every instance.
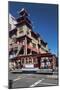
(29, 63)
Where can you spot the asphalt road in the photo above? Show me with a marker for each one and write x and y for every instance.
(23, 80)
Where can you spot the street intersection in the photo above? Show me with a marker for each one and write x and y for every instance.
(29, 80)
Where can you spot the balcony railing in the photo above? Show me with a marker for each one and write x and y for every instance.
(22, 34)
(46, 49)
(15, 45)
(32, 48)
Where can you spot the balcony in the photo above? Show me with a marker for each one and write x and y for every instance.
(34, 40)
(16, 45)
(46, 49)
(20, 35)
(32, 48)
(35, 49)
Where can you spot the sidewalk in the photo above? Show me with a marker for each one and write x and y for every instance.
(48, 73)
(25, 69)
(16, 71)
(44, 71)
(52, 77)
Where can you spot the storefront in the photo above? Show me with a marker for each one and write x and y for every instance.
(42, 61)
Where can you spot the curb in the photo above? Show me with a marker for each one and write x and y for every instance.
(52, 77)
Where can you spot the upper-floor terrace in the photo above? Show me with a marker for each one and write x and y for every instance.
(17, 47)
(32, 37)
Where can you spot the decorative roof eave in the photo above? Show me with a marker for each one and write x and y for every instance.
(23, 18)
(34, 55)
(24, 22)
(44, 42)
(23, 11)
(24, 37)
(34, 33)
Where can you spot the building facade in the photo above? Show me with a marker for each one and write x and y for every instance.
(12, 22)
(24, 43)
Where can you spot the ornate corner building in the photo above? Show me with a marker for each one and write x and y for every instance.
(26, 47)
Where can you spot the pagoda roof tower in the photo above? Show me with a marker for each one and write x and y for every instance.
(23, 19)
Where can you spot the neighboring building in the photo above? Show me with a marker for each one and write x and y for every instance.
(12, 22)
(23, 41)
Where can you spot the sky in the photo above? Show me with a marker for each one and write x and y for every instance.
(44, 19)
